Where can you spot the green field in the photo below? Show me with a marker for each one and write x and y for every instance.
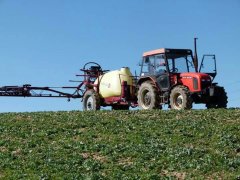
(157, 144)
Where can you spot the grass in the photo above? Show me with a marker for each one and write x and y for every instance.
(157, 144)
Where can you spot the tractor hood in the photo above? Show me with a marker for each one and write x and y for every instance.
(196, 82)
(195, 75)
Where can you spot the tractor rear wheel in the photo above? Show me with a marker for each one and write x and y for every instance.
(219, 101)
(91, 101)
(148, 97)
(180, 98)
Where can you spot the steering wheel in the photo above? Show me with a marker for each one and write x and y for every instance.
(174, 70)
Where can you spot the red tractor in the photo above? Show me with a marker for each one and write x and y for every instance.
(171, 76)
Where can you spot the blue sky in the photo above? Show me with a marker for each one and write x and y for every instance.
(45, 43)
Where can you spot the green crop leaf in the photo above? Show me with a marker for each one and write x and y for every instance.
(201, 144)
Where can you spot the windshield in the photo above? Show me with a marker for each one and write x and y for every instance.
(180, 64)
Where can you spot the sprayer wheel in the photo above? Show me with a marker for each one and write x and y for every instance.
(91, 101)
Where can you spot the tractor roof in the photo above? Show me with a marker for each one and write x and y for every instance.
(167, 50)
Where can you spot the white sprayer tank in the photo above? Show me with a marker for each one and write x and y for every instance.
(110, 84)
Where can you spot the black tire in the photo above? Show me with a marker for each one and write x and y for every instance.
(91, 101)
(218, 101)
(148, 97)
(180, 98)
(120, 107)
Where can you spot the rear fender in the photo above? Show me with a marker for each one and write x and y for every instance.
(148, 78)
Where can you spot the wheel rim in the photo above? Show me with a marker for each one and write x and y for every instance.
(89, 103)
(178, 101)
(146, 97)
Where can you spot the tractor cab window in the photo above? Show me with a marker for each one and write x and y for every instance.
(180, 64)
(160, 65)
(153, 65)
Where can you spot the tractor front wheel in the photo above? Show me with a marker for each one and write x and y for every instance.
(148, 97)
(180, 98)
(91, 101)
(218, 101)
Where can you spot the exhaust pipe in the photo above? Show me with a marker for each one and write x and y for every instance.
(195, 58)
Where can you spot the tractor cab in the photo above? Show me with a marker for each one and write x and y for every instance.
(166, 66)
(162, 61)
